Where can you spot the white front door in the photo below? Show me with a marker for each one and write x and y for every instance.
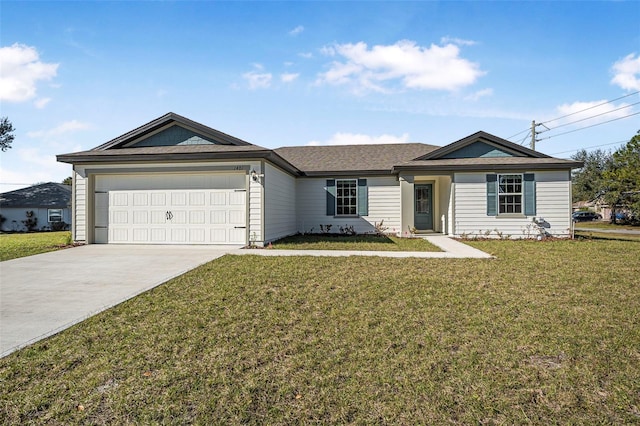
(211, 216)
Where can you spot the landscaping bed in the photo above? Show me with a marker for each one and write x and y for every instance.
(362, 242)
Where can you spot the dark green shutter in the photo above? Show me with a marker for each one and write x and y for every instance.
(363, 198)
(529, 194)
(492, 195)
(331, 197)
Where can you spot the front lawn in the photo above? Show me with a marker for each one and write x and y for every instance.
(546, 333)
(605, 225)
(13, 246)
(353, 242)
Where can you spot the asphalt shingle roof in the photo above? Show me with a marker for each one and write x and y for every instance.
(347, 158)
(44, 195)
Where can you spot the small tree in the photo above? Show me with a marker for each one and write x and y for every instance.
(68, 181)
(31, 223)
(6, 134)
(588, 180)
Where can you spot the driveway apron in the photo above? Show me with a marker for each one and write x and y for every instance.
(43, 294)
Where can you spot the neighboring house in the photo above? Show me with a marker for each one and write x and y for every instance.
(176, 181)
(49, 202)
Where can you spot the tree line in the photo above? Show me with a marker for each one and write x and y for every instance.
(612, 177)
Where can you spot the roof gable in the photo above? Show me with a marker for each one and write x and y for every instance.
(181, 131)
(481, 145)
(45, 195)
(174, 135)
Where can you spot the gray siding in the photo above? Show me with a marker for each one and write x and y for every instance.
(15, 216)
(279, 202)
(552, 203)
(384, 204)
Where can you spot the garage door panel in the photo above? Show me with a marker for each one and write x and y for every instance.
(215, 216)
(119, 217)
(197, 199)
(158, 235)
(178, 199)
(119, 235)
(158, 217)
(237, 217)
(141, 199)
(141, 235)
(218, 198)
(237, 198)
(158, 199)
(197, 235)
(237, 236)
(120, 199)
(218, 217)
(140, 217)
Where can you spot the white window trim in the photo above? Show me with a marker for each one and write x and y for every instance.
(504, 194)
(60, 214)
(355, 181)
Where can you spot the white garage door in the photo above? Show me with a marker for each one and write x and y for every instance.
(215, 216)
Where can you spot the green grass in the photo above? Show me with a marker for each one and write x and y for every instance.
(546, 333)
(606, 236)
(13, 246)
(355, 242)
(605, 225)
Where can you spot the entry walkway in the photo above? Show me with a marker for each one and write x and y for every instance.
(451, 249)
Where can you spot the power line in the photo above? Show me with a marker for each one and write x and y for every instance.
(594, 106)
(593, 125)
(583, 110)
(594, 116)
(589, 147)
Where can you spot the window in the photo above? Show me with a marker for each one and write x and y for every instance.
(55, 215)
(346, 197)
(509, 194)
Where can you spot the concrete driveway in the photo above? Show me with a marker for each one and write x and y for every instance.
(43, 294)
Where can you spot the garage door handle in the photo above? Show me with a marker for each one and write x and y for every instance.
(169, 215)
(240, 227)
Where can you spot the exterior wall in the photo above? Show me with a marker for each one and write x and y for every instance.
(553, 204)
(279, 203)
(79, 207)
(255, 203)
(200, 175)
(383, 202)
(15, 216)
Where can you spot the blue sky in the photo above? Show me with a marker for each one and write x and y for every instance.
(76, 74)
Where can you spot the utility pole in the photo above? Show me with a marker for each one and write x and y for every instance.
(533, 135)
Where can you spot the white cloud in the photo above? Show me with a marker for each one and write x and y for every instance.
(297, 30)
(361, 139)
(479, 94)
(458, 41)
(20, 71)
(257, 80)
(627, 72)
(62, 129)
(288, 77)
(42, 102)
(415, 67)
(306, 55)
(583, 111)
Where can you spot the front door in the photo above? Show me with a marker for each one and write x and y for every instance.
(423, 215)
